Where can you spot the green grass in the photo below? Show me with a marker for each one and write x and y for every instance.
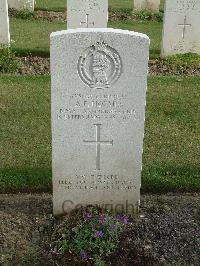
(119, 4)
(60, 5)
(54, 5)
(171, 161)
(127, 4)
(33, 35)
(171, 150)
(152, 28)
(25, 132)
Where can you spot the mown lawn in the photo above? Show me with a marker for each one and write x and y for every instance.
(152, 28)
(171, 147)
(60, 5)
(51, 5)
(33, 35)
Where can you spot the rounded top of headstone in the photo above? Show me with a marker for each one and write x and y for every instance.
(101, 30)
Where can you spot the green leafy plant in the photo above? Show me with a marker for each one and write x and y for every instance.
(91, 235)
(21, 14)
(126, 11)
(148, 15)
(8, 61)
(188, 60)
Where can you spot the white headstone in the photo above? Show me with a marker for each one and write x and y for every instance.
(87, 14)
(152, 5)
(4, 24)
(22, 4)
(99, 80)
(181, 27)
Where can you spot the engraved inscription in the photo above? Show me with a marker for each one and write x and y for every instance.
(98, 182)
(184, 25)
(93, 4)
(181, 46)
(99, 66)
(97, 107)
(184, 5)
(87, 5)
(98, 142)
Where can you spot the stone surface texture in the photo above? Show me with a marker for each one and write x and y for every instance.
(22, 4)
(99, 81)
(87, 14)
(181, 27)
(152, 5)
(4, 24)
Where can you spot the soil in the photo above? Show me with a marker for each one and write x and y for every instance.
(36, 65)
(50, 15)
(33, 65)
(167, 232)
(62, 16)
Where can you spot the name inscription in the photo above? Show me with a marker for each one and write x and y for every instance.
(106, 106)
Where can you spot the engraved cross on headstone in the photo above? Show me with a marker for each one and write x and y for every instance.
(184, 25)
(87, 21)
(98, 142)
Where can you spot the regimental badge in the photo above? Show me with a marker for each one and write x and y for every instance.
(99, 66)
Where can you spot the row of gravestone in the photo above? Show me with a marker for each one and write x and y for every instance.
(137, 4)
(181, 31)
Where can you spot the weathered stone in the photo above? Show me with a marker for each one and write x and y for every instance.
(152, 5)
(99, 80)
(181, 30)
(22, 4)
(87, 14)
(4, 24)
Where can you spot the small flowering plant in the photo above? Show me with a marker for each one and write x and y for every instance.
(91, 235)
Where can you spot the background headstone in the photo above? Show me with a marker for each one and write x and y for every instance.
(181, 27)
(99, 80)
(4, 24)
(152, 5)
(22, 4)
(87, 14)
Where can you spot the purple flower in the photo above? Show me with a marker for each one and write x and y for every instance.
(101, 219)
(83, 255)
(87, 215)
(99, 234)
(122, 218)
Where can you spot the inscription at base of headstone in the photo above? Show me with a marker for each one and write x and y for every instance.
(152, 5)
(99, 81)
(181, 31)
(4, 24)
(22, 4)
(87, 14)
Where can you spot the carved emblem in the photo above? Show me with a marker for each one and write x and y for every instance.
(99, 66)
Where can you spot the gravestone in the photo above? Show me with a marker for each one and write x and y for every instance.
(87, 14)
(4, 24)
(22, 4)
(152, 5)
(181, 27)
(99, 80)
